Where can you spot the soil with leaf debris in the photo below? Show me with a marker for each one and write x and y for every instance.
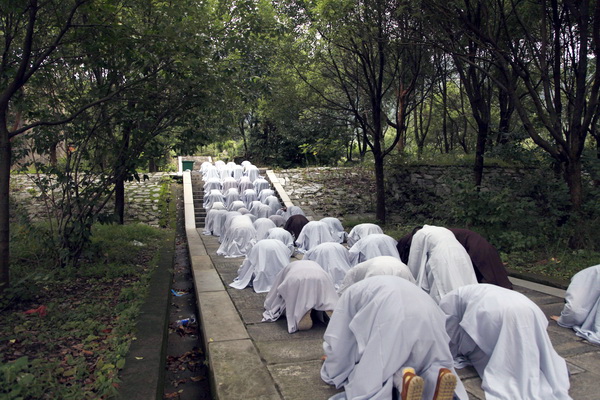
(186, 374)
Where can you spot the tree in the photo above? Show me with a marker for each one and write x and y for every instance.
(546, 60)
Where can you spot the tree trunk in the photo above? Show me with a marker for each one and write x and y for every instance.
(5, 161)
(482, 134)
(572, 176)
(152, 167)
(120, 200)
(380, 188)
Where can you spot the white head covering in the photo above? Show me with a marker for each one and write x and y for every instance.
(373, 245)
(381, 265)
(362, 230)
(336, 228)
(333, 258)
(238, 238)
(313, 234)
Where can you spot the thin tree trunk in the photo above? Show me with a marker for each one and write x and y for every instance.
(379, 188)
(5, 161)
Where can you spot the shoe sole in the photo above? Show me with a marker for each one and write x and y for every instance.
(446, 383)
(413, 388)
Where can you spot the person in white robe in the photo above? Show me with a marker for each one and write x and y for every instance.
(287, 212)
(212, 183)
(231, 195)
(237, 171)
(229, 183)
(381, 265)
(284, 236)
(439, 262)
(333, 258)
(214, 222)
(260, 184)
(262, 226)
(214, 196)
(204, 166)
(336, 228)
(262, 264)
(300, 287)
(217, 205)
(313, 234)
(273, 202)
(248, 196)
(244, 184)
(381, 325)
(238, 238)
(503, 335)
(210, 172)
(362, 230)
(373, 245)
(236, 205)
(278, 220)
(226, 223)
(254, 206)
(245, 211)
(252, 173)
(262, 211)
(582, 305)
(264, 193)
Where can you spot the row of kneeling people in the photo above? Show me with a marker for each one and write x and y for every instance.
(385, 315)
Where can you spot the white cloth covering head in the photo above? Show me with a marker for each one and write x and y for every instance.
(252, 172)
(313, 234)
(336, 228)
(284, 236)
(381, 325)
(262, 264)
(229, 183)
(238, 238)
(298, 288)
(237, 171)
(210, 172)
(236, 205)
(212, 183)
(278, 220)
(254, 206)
(582, 305)
(214, 222)
(289, 211)
(227, 222)
(381, 265)
(264, 193)
(262, 226)
(503, 335)
(214, 196)
(248, 196)
(262, 211)
(333, 258)
(439, 262)
(217, 205)
(244, 184)
(231, 195)
(272, 202)
(260, 184)
(362, 230)
(373, 245)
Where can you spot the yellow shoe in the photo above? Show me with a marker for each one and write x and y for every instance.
(446, 383)
(412, 385)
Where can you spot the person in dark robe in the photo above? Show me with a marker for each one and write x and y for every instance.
(485, 258)
(294, 224)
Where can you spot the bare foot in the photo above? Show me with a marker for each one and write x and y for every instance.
(554, 317)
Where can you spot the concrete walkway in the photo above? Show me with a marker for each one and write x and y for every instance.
(254, 360)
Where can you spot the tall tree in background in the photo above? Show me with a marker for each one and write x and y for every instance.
(547, 58)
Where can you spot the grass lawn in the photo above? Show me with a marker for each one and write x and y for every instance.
(65, 333)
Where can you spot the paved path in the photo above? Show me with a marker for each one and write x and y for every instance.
(250, 359)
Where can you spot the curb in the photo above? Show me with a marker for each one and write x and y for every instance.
(143, 374)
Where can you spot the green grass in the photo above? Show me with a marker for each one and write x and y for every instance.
(75, 350)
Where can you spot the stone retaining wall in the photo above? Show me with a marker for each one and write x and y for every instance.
(141, 198)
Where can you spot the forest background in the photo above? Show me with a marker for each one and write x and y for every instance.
(94, 93)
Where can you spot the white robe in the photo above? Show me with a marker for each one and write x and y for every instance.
(336, 228)
(381, 325)
(226, 223)
(284, 236)
(313, 234)
(278, 220)
(381, 265)
(362, 230)
(373, 245)
(439, 262)
(245, 184)
(298, 288)
(262, 226)
(503, 335)
(582, 305)
(333, 258)
(213, 197)
(236, 205)
(260, 184)
(231, 195)
(212, 183)
(252, 173)
(264, 193)
(214, 222)
(239, 237)
(248, 196)
(272, 202)
(262, 264)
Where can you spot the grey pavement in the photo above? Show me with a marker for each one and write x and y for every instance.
(250, 359)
